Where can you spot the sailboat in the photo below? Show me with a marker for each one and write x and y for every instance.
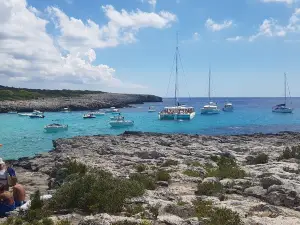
(177, 112)
(211, 107)
(282, 108)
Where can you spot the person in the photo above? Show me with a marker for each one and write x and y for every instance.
(7, 175)
(19, 195)
(7, 202)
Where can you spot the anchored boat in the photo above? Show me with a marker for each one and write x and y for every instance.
(177, 112)
(120, 121)
(211, 107)
(282, 108)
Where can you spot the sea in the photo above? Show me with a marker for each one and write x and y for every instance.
(25, 137)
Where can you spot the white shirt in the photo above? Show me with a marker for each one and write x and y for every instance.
(3, 177)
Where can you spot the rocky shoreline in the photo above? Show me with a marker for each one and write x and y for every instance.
(84, 102)
(269, 193)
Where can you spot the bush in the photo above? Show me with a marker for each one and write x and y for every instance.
(261, 158)
(134, 209)
(147, 181)
(217, 216)
(288, 153)
(97, 192)
(140, 168)
(191, 173)
(170, 162)
(227, 168)
(209, 188)
(163, 175)
(194, 163)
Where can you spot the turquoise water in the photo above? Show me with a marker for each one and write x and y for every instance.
(22, 136)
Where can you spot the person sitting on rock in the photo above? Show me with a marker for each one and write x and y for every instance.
(19, 195)
(7, 175)
(7, 203)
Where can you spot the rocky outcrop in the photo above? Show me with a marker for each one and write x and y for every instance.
(84, 102)
(268, 194)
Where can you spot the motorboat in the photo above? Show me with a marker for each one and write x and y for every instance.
(111, 110)
(33, 116)
(115, 111)
(99, 113)
(228, 107)
(151, 109)
(89, 116)
(66, 110)
(177, 113)
(54, 127)
(120, 121)
(37, 112)
(282, 108)
(211, 107)
(12, 112)
(24, 114)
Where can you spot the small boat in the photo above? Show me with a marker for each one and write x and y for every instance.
(24, 114)
(228, 107)
(110, 110)
(56, 127)
(151, 109)
(99, 113)
(282, 108)
(89, 116)
(12, 112)
(121, 122)
(33, 116)
(66, 110)
(211, 107)
(37, 112)
(115, 111)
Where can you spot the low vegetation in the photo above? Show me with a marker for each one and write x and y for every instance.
(191, 173)
(209, 188)
(261, 158)
(147, 181)
(194, 164)
(163, 175)
(288, 153)
(214, 215)
(169, 162)
(140, 168)
(10, 93)
(227, 168)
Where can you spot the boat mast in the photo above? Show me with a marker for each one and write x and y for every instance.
(285, 88)
(176, 78)
(209, 74)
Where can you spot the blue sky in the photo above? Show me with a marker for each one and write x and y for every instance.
(128, 46)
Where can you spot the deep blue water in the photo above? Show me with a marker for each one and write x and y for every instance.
(22, 136)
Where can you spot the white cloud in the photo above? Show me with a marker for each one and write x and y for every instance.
(121, 28)
(271, 27)
(29, 54)
(234, 39)
(213, 26)
(196, 36)
(289, 2)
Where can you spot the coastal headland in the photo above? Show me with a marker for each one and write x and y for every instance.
(189, 179)
(27, 100)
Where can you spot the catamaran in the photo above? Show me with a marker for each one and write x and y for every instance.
(211, 107)
(177, 112)
(282, 108)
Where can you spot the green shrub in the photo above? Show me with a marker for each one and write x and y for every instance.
(194, 163)
(47, 221)
(227, 168)
(145, 222)
(97, 192)
(191, 173)
(140, 168)
(163, 175)
(217, 216)
(147, 181)
(134, 209)
(169, 162)
(154, 210)
(209, 188)
(63, 222)
(74, 167)
(288, 153)
(261, 158)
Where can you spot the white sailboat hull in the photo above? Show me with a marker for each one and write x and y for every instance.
(210, 111)
(177, 116)
(125, 123)
(283, 110)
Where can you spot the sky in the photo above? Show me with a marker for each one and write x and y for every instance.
(128, 46)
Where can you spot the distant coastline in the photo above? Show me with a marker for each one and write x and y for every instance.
(27, 100)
